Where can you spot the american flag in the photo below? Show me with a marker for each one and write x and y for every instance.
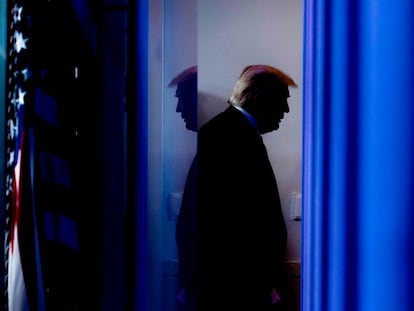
(19, 80)
(41, 238)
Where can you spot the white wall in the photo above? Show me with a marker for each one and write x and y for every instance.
(236, 33)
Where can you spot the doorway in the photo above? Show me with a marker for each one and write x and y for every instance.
(203, 33)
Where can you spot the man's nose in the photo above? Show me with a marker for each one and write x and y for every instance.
(179, 107)
(287, 108)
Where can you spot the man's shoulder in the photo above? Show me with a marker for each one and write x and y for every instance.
(220, 120)
(211, 124)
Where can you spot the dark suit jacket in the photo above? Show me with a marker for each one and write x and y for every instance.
(240, 231)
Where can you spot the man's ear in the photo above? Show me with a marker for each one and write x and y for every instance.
(251, 103)
(255, 98)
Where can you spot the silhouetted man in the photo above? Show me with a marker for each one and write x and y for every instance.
(240, 231)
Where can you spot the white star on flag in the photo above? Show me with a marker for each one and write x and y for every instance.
(13, 102)
(11, 159)
(20, 43)
(26, 74)
(12, 129)
(20, 99)
(17, 13)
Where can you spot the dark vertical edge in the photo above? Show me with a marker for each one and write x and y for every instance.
(352, 169)
(137, 156)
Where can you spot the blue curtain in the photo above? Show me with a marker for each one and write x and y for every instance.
(358, 155)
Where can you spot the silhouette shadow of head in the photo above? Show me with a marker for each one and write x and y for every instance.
(186, 92)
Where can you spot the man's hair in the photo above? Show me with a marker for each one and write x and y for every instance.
(253, 78)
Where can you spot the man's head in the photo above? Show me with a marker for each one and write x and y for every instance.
(263, 91)
(186, 93)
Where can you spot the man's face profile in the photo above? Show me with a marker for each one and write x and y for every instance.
(271, 108)
(187, 105)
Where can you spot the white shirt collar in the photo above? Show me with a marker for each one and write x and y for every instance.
(248, 116)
